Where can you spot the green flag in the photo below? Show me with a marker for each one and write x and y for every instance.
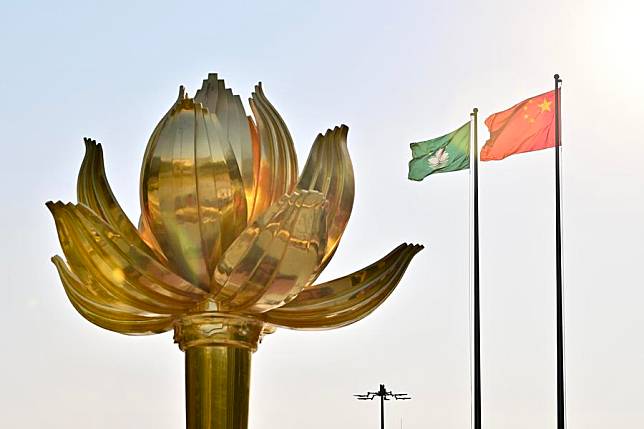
(450, 152)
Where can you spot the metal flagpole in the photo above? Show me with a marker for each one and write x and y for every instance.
(477, 317)
(561, 399)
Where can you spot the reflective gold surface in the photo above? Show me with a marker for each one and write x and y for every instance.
(228, 245)
(217, 397)
(343, 301)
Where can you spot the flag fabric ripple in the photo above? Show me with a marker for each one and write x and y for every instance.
(450, 152)
(524, 127)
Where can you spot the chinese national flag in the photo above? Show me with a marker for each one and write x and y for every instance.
(524, 127)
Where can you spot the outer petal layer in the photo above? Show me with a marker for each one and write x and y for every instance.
(112, 279)
(105, 311)
(275, 163)
(328, 170)
(345, 300)
(275, 257)
(94, 191)
(192, 194)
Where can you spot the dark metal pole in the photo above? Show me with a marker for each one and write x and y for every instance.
(382, 407)
(477, 313)
(561, 400)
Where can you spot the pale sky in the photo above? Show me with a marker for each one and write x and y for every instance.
(394, 72)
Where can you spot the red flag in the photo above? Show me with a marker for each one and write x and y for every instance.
(524, 127)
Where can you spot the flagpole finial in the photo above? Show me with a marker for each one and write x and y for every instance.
(474, 111)
(557, 78)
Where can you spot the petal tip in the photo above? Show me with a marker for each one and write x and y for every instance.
(53, 206)
(259, 90)
(414, 247)
(417, 247)
(91, 145)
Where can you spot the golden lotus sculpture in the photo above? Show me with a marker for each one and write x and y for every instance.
(228, 245)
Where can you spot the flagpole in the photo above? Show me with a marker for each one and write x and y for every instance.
(561, 399)
(476, 303)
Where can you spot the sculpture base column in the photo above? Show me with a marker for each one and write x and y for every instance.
(218, 349)
(217, 387)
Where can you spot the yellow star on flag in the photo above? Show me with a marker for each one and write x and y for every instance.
(545, 106)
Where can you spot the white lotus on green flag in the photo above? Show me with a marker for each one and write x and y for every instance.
(450, 152)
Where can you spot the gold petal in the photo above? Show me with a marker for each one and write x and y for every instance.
(148, 237)
(114, 269)
(328, 170)
(192, 192)
(230, 112)
(276, 171)
(275, 257)
(106, 312)
(345, 300)
(95, 192)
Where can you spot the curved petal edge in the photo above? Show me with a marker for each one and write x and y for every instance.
(94, 191)
(107, 277)
(100, 311)
(276, 166)
(347, 299)
(275, 257)
(329, 171)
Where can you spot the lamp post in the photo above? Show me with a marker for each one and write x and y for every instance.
(384, 395)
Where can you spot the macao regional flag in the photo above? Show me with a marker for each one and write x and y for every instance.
(450, 152)
(525, 127)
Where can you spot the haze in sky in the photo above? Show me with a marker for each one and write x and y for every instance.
(394, 72)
